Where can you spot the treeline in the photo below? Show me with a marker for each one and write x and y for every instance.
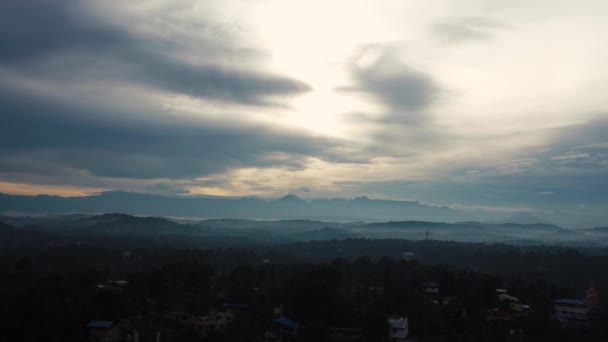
(49, 293)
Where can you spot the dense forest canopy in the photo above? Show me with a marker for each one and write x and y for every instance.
(58, 278)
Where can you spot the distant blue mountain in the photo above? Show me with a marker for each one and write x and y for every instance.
(46, 229)
(288, 207)
(599, 229)
(525, 218)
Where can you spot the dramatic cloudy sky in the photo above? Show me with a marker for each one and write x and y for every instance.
(473, 103)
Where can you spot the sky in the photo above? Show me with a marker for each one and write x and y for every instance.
(492, 104)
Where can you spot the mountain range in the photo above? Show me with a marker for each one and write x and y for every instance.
(288, 207)
(146, 231)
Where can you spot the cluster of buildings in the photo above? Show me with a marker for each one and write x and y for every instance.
(568, 309)
(399, 329)
(164, 328)
(285, 329)
(507, 307)
(565, 309)
(214, 321)
(112, 284)
(104, 331)
(127, 330)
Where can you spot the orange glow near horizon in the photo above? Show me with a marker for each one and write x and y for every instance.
(37, 189)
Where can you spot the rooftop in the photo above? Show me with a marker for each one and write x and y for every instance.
(291, 324)
(100, 324)
(569, 301)
(430, 284)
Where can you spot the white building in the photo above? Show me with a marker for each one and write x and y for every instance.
(430, 287)
(399, 329)
(408, 256)
(214, 321)
(572, 309)
(513, 302)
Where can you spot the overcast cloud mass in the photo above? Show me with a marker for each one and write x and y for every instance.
(497, 105)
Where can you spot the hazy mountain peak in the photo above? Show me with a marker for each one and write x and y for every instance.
(105, 217)
(525, 218)
(291, 198)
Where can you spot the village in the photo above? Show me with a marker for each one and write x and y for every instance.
(233, 319)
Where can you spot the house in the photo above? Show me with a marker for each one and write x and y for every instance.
(242, 314)
(215, 321)
(181, 317)
(283, 329)
(148, 328)
(103, 331)
(512, 302)
(572, 310)
(592, 297)
(203, 325)
(345, 334)
(408, 256)
(398, 328)
(567, 309)
(278, 310)
(285, 323)
(430, 287)
(112, 285)
(507, 306)
(510, 305)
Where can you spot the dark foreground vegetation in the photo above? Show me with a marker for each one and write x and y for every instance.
(332, 290)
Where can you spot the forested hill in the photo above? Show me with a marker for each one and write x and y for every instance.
(224, 232)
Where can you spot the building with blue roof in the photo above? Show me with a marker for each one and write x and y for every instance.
(100, 324)
(287, 323)
(102, 331)
(567, 309)
(283, 330)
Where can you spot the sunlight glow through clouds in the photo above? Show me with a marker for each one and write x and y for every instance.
(260, 97)
(311, 40)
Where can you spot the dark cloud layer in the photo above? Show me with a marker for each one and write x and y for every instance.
(60, 39)
(138, 147)
(570, 174)
(59, 45)
(403, 128)
(400, 89)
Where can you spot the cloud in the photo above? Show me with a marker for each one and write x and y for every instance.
(39, 133)
(65, 40)
(566, 166)
(457, 30)
(580, 147)
(90, 98)
(168, 97)
(379, 73)
(402, 128)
